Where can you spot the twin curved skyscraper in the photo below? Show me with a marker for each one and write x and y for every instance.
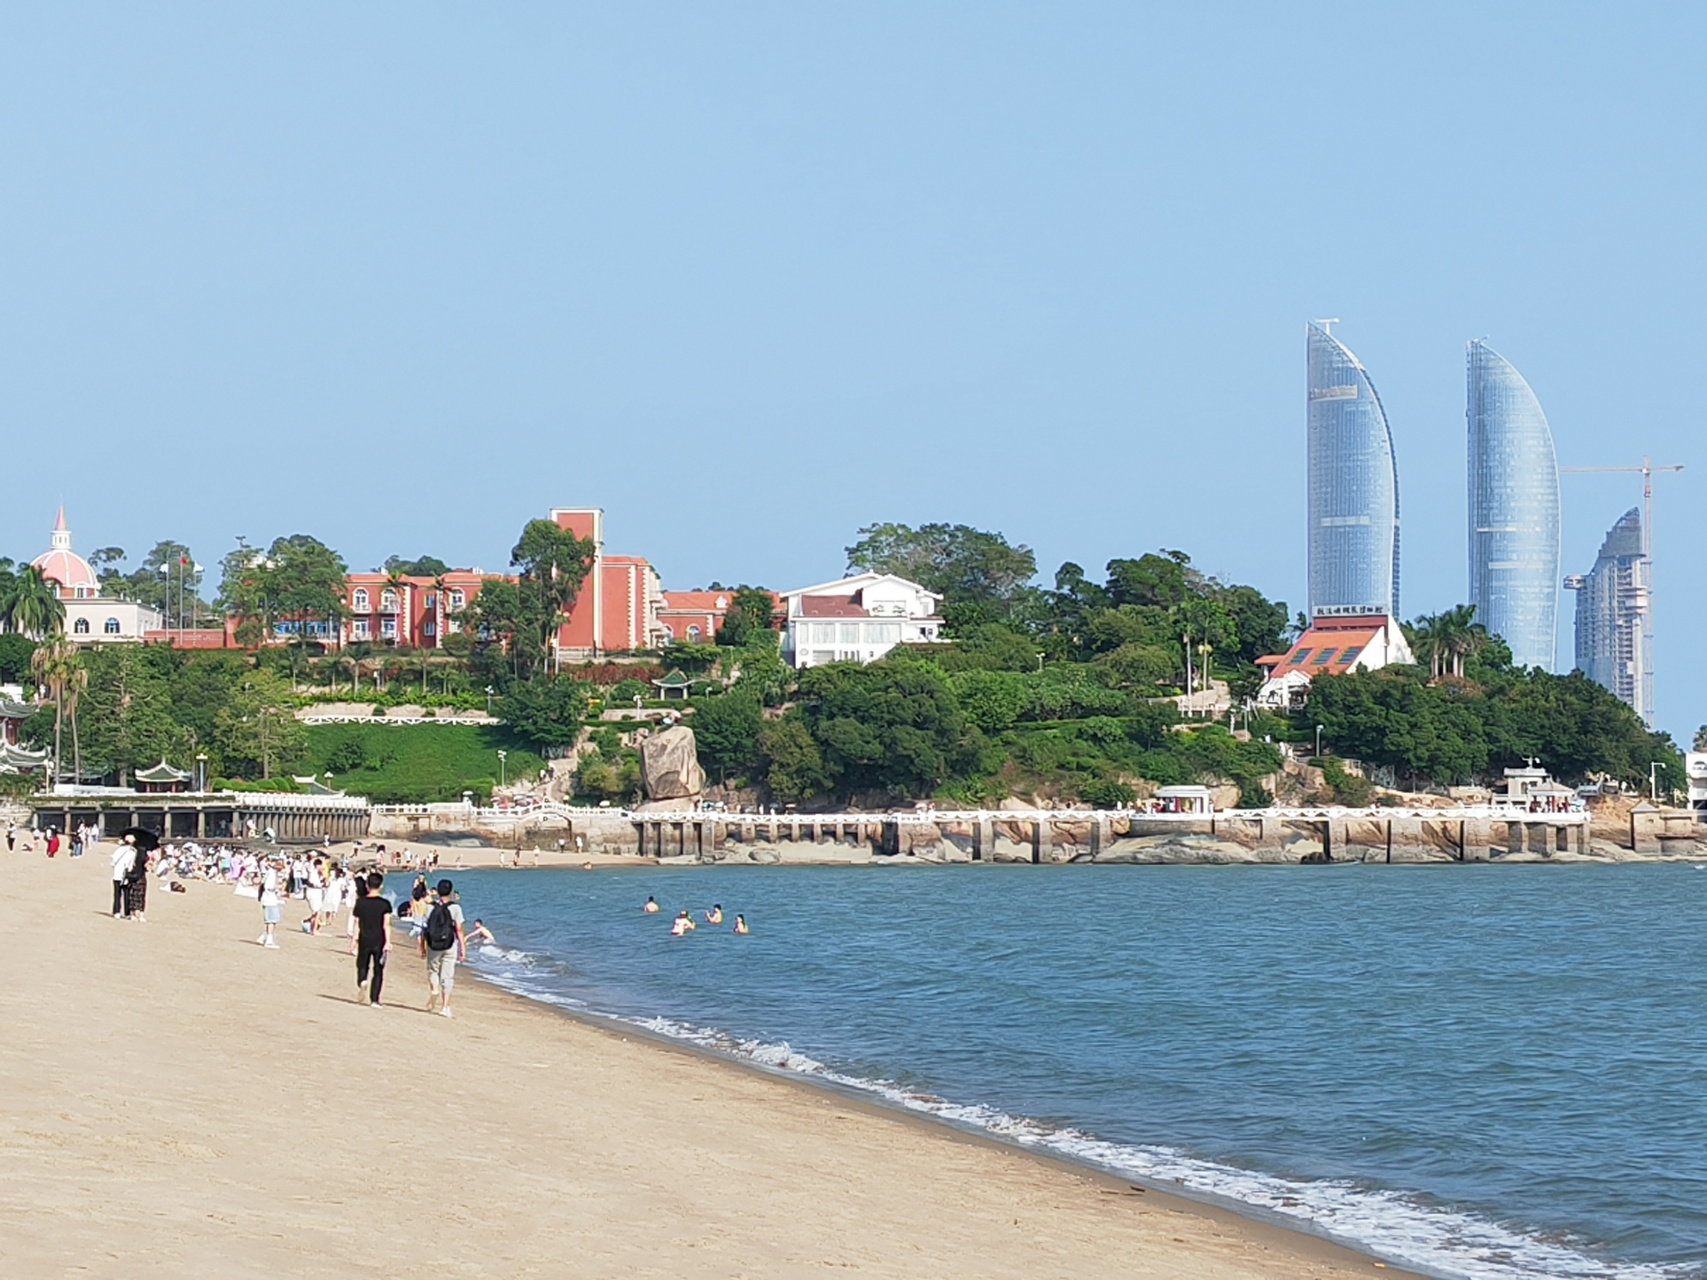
(1354, 498)
(1514, 509)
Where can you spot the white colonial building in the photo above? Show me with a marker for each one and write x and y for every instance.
(1330, 646)
(857, 619)
(90, 617)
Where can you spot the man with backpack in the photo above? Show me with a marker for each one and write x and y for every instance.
(443, 944)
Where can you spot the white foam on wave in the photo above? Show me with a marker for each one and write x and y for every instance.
(1393, 1225)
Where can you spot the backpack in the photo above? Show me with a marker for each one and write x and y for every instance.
(440, 929)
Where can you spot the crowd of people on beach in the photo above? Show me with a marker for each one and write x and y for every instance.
(326, 884)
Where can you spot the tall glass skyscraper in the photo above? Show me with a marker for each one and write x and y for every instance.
(1612, 617)
(1514, 509)
(1354, 487)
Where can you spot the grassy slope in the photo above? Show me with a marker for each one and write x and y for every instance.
(409, 764)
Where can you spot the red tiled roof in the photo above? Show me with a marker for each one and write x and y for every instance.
(831, 607)
(1339, 641)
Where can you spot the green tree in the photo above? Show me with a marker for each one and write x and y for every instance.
(128, 709)
(965, 566)
(753, 610)
(31, 605)
(547, 713)
(55, 666)
(201, 685)
(15, 653)
(551, 563)
(794, 767)
(420, 567)
(726, 731)
(890, 726)
(256, 732)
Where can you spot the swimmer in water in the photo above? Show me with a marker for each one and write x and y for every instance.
(682, 925)
(715, 915)
(478, 934)
(651, 906)
(740, 923)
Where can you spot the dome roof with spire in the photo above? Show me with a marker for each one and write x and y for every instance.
(64, 566)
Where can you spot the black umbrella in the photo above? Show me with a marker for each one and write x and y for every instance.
(144, 839)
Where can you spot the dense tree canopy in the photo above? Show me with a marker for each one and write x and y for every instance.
(980, 576)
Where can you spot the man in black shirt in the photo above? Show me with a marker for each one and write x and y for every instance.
(373, 937)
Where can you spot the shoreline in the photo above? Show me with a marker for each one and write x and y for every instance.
(1223, 1210)
(185, 1103)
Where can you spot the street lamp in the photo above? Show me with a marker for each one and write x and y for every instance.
(1318, 741)
(201, 772)
(488, 699)
(501, 757)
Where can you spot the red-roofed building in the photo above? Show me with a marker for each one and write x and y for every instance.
(618, 606)
(857, 619)
(1331, 646)
(694, 617)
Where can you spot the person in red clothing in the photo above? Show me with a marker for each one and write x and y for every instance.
(52, 842)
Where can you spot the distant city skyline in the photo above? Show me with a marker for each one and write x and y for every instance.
(1513, 509)
(1024, 268)
(1612, 617)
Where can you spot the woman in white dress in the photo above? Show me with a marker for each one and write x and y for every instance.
(314, 890)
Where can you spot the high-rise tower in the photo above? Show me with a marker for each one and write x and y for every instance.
(1354, 487)
(1612, 617)
(1514, 509)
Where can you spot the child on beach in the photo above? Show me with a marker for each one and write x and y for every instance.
(270, 906)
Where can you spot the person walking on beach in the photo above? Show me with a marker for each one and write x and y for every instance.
(136, 888)
(122, 856)
(443, 944)
(52, 842)
(271, 905)
(372, 915)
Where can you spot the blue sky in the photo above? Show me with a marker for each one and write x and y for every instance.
(751, 276)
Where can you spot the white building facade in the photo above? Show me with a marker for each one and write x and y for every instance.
(857, 619)
(90, 617)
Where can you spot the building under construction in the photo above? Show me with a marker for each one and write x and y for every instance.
(1614, 617)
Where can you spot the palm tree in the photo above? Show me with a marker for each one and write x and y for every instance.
(31, 605)
(55, 665)
(75, 687)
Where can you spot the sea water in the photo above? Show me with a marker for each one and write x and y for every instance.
(1481, 1071)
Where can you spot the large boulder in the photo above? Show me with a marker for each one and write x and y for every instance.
(669, 765)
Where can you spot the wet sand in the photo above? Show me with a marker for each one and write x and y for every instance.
(181, 1102)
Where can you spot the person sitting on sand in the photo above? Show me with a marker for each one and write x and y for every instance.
(651, 906)
(480, 934)
(715, 915)
(740, 923)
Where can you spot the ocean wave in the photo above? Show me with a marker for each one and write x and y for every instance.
(1395, 1226)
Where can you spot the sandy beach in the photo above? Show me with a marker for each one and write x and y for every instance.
(181, 1102)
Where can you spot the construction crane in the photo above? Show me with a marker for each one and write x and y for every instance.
(1647, 471)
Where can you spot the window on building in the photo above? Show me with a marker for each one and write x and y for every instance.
(1300, 658)
(80, 627)
(457, 599)
(427, 629)
(388, 628)
(693, 634)
(111, 626)
(883, 633)
(360, 630)
(849, 633)
(823, 632)
(1325, 656)
(1346, 655)
(388, 601)
(430, 601)
(359, 601)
